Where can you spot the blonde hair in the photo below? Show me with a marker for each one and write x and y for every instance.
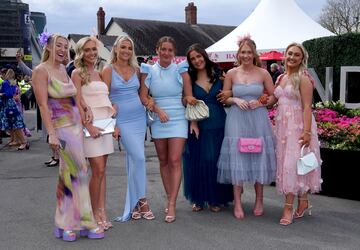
(79, 62)
(249, 42)
(113, 57)
(50, 46)
(10, 76)
(295, 78)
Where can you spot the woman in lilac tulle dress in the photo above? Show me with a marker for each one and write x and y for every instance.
(295, 126)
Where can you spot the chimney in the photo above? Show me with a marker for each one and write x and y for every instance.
(101, 21)
(190, 14)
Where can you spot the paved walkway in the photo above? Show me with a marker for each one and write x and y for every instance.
(27, 195)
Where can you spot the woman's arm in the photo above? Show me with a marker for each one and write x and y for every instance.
(84, 109)
(306, 95)
(188, 94)
(40, 85)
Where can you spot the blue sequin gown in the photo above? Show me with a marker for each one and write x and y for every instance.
(131, 120)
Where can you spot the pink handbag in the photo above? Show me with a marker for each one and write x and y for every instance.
(250, 145)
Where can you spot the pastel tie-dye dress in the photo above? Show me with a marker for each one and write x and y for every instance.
(73, 208)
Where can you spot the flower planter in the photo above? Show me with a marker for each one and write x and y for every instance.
(340, 172)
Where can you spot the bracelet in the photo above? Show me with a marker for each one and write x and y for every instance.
(307, 132)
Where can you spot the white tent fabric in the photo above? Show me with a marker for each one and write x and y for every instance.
(273, 25)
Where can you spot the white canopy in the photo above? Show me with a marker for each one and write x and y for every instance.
(273, 25)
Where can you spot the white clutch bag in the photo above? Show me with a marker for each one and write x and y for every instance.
(307, 162)
(108, 126)
(197, 112)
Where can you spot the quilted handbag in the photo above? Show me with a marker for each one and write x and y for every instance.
(197, 112)
(307, 162)
(250, 145)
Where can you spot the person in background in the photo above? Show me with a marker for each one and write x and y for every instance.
(12, 118)
(122, 78)
(164, 82)
(247, 119)
(295, 126)
(203, 145)
(55, 94)
(274, 71)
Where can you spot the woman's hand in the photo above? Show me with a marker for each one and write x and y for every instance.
(88, 116)
(253, 104)
(223, 95)
(194, 129)
(190, 100)
(162, 115)
(54, 142)
(117, 133)
(94, 132)
(115, 107)
(305, 139)
(241, 103)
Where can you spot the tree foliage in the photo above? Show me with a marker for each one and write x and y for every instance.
(341, 16)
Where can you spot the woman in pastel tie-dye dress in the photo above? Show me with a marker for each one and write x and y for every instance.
(55, 94)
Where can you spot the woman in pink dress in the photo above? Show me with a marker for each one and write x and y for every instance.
(295, 126)
(94, 96)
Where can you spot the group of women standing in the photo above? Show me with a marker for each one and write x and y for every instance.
(214, 169)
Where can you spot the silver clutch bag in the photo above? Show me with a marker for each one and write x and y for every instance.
(108, 126)
(197, 112)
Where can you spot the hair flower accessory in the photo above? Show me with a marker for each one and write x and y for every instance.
(243, 38)
(44, 37)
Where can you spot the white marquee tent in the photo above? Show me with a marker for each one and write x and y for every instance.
(273, 25)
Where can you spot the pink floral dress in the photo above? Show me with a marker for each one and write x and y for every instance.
(288, 129)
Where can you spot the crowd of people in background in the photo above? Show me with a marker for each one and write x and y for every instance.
(212, 156)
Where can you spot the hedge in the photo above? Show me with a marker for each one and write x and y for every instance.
(336, 51)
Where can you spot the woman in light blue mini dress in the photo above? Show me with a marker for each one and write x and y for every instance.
(164, 82)
(247, 118)
(122, 77)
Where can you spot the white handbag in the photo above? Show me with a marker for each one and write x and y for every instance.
(150, 117)
(307, 162)
(197, 112)
(108, 126)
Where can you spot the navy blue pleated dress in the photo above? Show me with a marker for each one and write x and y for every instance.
(201, 155)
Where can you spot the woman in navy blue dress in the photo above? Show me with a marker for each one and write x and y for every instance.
(205, 137)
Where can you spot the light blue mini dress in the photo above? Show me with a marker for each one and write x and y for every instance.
(166, 87)
(131, 120)
(235, 167)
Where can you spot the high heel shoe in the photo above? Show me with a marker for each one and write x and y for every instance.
(148, 215)
(136, 215)
(104, 222)
(96, 233)
(24, 146)
(284, 221)
(170, 218)
(298, 215)
(196, 208)
(66, 235)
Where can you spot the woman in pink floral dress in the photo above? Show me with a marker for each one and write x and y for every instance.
(295, 126)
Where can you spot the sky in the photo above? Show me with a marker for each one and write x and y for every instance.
(79, 16)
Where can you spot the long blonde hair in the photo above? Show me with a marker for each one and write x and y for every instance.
(249, 42)
(50, 46)
(79, 62)
(10, 76)
(113, 57)
(295, 78)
